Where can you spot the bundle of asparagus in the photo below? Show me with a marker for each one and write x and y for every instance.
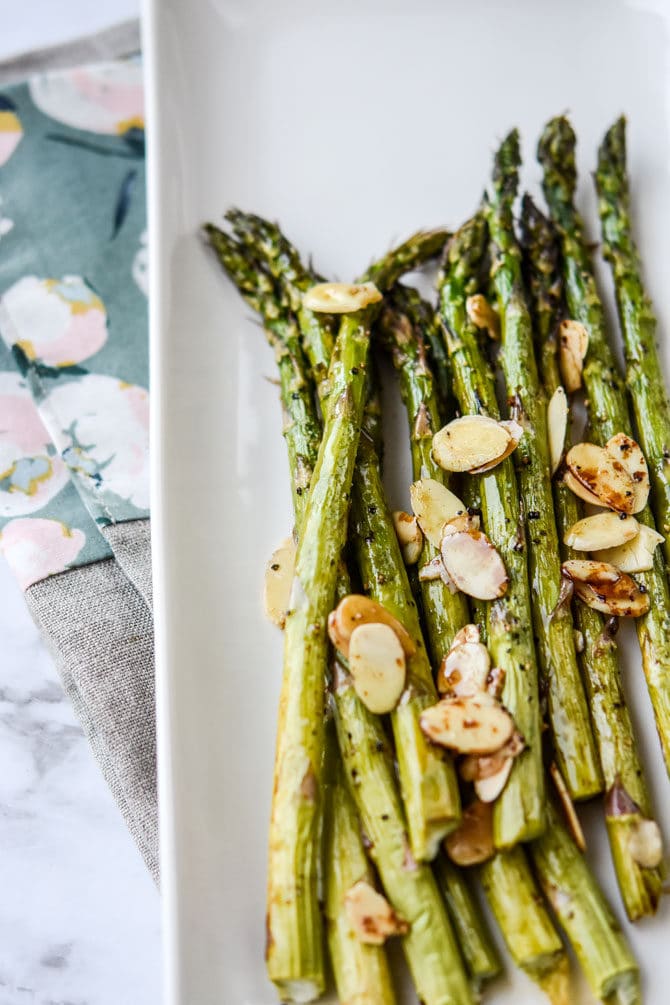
(481, 624)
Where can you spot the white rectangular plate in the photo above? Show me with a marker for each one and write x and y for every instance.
(353, 123)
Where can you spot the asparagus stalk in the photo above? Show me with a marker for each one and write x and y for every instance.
(644, 373)
(619, 756)
(481, 957)
(401, 328)
(585, 916)
(575, 749)
(529, 933)
(427, 776)
(608, 408)
(362, 975)
(519, 811)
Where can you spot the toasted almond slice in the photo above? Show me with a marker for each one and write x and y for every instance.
(467, 443)
(604, 530)
(470, 725)
(580, 490)
(488, 789)
(557, 426)
(495, 682)
(646, 844)
(630, 454)
(370, 915)
(474, 565)
(433, 570)
(377, 666)
(516, 432)
(278, 580)
(468, 633)
(463, 522)
(636, 555)
(340, 298)
(355, 610)
(483, 315)
(569, 810)
(433, 506)
(606, 589)
(409, 536)
(472, 841)
(474, 769)
(602, 474)
(574, 342)
(464, 669)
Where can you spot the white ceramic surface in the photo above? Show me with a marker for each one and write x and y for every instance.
(354, 124)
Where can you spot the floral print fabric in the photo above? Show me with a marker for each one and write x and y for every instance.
(73, 315)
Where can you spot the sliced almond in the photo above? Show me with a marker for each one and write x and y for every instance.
(433, 570)
(636, 555)
(488, 789)
(495, 682)
(377, 666)
(475, 769)
(571, 817)
(606, 589)
(464, 669)
(604, 530)
(630, 454)
(483, 315)
(470, 442)
(409, 536)
(645, 844)
(434, 505)
(370, 915)
(470, 725)
(463, 522)
(340, 298)
(573, 340)
(357, 609)
(278, 581)
(474, 565)
(515, 432)
(602, 474)
(472, 841)
(557, 426)
(580, 490)
(468, 633)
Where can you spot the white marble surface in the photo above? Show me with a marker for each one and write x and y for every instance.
(79, 915)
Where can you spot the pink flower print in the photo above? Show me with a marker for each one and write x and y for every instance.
(36, 548)
(58, 322)
(31, 472)
(105, 98)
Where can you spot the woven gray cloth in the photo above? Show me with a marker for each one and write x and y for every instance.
(100, 632)
(131, 544)
(119, 40)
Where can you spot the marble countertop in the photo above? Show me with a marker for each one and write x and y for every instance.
(80, 918)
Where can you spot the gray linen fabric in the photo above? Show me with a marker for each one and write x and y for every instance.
(120, 40)
(100, 632)
(131, 543)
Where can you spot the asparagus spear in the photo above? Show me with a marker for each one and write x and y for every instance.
(427, 777)
(568, 710)
(361, 971)
(619, 756)
(430, 947)
(519, 812)
(530, 935)
(401, 329)
(479, 952)
(585, 915)
(644, 373)
(608, 409)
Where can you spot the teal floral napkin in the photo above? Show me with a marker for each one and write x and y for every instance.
(74, 414)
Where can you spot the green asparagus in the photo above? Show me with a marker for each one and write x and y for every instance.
(644, 373)
(619, 756)
(608, 409)
(568, 710)
(519, 812)
(585, 915)
(479, 952)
